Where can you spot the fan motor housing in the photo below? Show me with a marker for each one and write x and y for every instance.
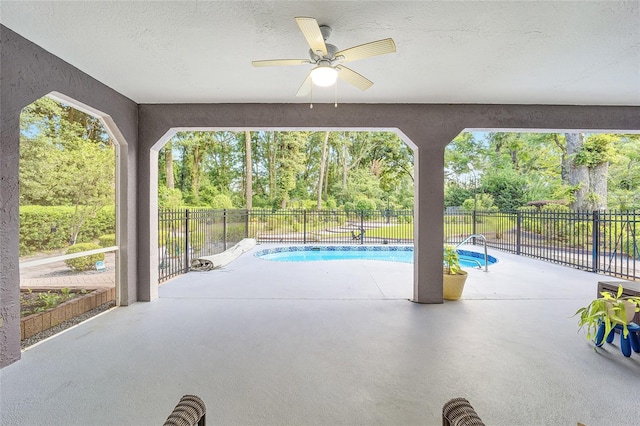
(331, 53)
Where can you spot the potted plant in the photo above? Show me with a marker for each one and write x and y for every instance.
(609, 310)
(453, 277)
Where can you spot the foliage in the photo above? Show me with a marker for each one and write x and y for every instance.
(169, 198)
(85, 263)
(49, 299)
(451, 260)
(66, 158)
(455, 194)
(507, 188)
(541, 166)
(45, 228)
(108, 240)
(597, 149)
(365, 204)
(286, 169)
(39, 301)
(609, 309)
(481, 202)
(221, 201)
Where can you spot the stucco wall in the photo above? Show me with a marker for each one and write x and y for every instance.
(27, 72)
(427, 128)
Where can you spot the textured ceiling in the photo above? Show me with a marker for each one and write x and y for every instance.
(502, 52)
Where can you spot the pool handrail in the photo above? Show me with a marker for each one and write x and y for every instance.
(484, 241)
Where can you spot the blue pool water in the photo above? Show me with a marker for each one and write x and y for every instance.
(469, 259)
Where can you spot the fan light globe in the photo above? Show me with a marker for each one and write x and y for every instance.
(324, 76)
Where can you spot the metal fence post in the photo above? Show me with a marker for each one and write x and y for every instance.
(595, 240)
(304, 226)
(361, 226)
(518, 231)
(186, 241)
(246, 225)
(224, 229)
(473, 226)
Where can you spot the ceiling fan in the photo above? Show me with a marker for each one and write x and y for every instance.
(327, 58)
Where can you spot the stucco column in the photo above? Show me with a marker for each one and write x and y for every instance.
(428, 223)
(9, 243)
(151, 137)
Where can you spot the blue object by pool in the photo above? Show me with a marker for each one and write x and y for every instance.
(470, 259)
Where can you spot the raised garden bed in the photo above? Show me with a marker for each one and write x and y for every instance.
(74, 306)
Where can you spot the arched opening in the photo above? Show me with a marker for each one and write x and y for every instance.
(565, 197)
(303, 194)
(71, 212)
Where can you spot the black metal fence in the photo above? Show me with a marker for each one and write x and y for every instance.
(332, 226)
(187, 234)
(603, 242)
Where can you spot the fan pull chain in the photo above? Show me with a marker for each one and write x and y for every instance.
(311, 105)
(335, 96)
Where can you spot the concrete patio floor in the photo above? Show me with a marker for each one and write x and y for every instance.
(332, 343)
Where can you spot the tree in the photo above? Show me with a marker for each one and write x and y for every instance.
(66, 158)
(624, 173)
(290, 161)
(323, 160)
(578, 172)
(248, 170)
(506, 186)
(169, 166)
(590, 167)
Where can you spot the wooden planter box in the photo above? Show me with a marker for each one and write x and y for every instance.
(41, 321)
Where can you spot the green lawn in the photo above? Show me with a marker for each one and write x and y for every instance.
(402, 232)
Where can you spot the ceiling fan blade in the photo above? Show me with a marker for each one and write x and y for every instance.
(353, 78)
(279, 62)
(305, 88)
(367, 50)
(311, 31)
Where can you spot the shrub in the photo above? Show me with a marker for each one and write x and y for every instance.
(331, 203)
(85, 263)
(107, 240)
(221, 201)
(45, 228)
(169, 198)
(365, 204)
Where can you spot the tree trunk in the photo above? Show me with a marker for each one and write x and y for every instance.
(345, 167)
(323, 161)
(195, 172)
(598, 192)
(578, 174)
(564, 164)
(273, 183)
(249, 170)
(168, 157)
(326, 184)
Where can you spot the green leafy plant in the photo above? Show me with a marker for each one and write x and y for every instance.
(610, 309)
(49, 299)
(107, 240)
(66, 292)
(451, 261)
(85, 263)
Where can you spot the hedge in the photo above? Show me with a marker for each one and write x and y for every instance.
(108, 240)
(85, 263)
(44, 228)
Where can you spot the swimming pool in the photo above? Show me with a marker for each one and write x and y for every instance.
(403, 254)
